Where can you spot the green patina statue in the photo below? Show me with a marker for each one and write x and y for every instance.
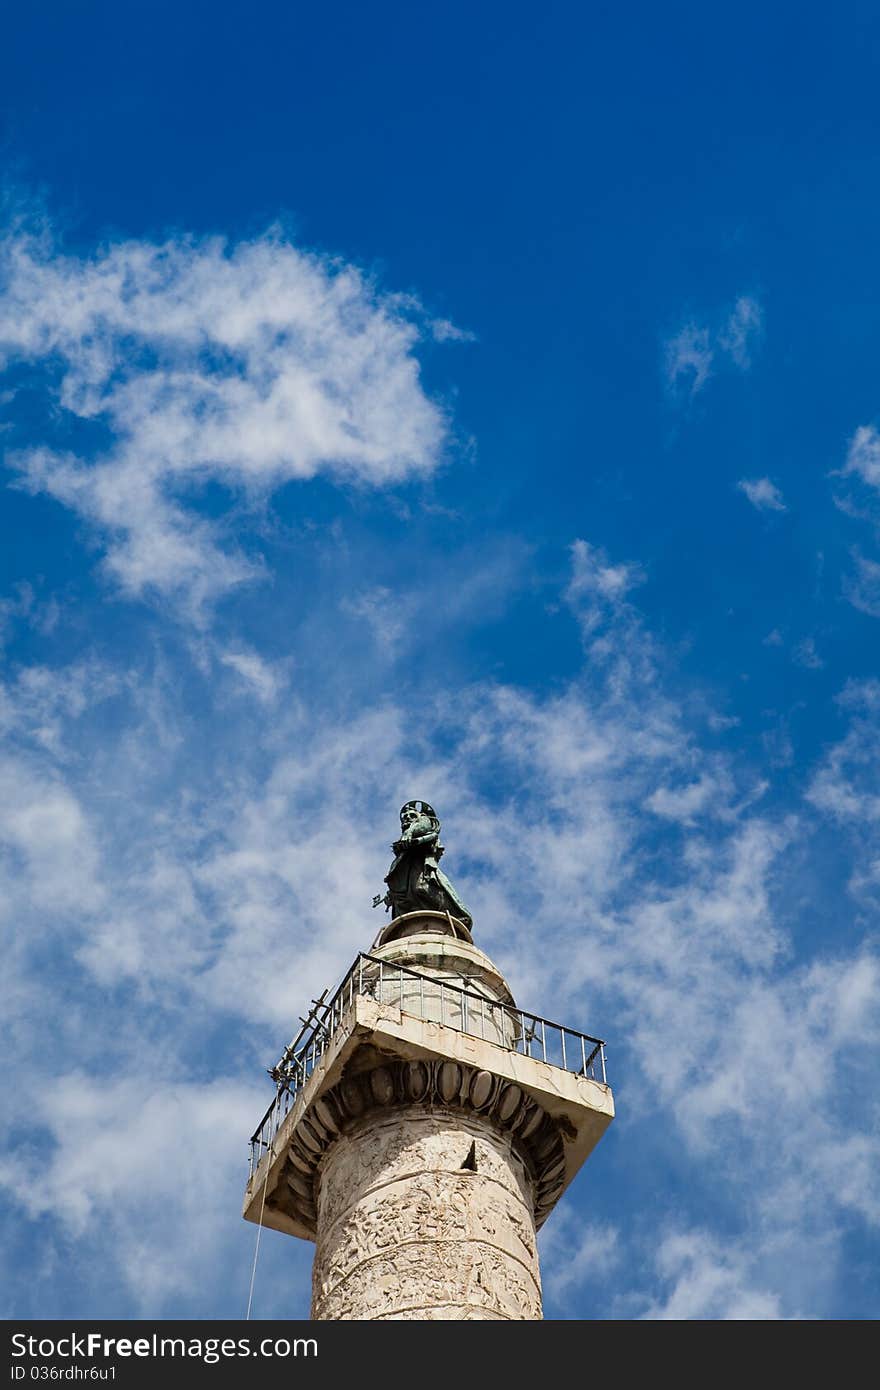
(415, 880)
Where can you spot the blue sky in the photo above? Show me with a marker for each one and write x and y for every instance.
(480, 405)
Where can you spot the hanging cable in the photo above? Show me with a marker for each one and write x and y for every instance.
(259, 1233)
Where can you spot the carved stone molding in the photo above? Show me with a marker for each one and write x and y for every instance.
(435, 1085)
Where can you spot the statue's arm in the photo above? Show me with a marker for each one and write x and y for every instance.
(427, 837)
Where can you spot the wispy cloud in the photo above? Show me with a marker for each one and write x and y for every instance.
(763, 494)
(29, 608)
(741, 330)
(862, 588)
(574, 1251)
(210, 896)
(687, 803)
(804, 654)
(597, 595)
(697, 350)
(103, 1142)
(444, 331)
(846, 782)
(263, 678)
(251, 365)
(863, 456)
(707, 1279)
(857, 498)
(689, 357)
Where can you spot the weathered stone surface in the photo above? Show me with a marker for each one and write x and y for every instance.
(408, 1141)
(405, 1231)
(443, 962)
(445, 1312)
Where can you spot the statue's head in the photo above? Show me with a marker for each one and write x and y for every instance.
(414, 810)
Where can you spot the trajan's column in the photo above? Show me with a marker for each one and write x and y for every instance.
(425, 1126)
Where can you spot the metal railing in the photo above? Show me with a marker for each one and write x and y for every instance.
(432, 999)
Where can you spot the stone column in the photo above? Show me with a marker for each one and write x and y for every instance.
(425, 1215)
(426, 1210)
(428, 1144)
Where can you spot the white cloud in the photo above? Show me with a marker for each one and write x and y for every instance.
(720, 722)
(829, 1008)
(804, 654)
(844, 788)
(863, 456)
(597, 594)
(778, 745)
(762, 494)
(29, 608)
(576, 1253)
(693, 354)
(385, 613)
(863, 588)
(259, 676)
(689, 356)
(47, 848)
(850, 1165)
(592, 575)
(444, 332)
(253, 365)
(742, 328)
(688, 802)
(225, 892)
(142, 1159)
(708, 1279)
(485, 578)
(846, 780)
(38, 702)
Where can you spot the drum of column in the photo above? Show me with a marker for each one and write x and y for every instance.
(424, 1215)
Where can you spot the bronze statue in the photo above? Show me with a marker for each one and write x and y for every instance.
(415, 880)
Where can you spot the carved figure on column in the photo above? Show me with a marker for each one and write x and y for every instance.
(415, 880)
